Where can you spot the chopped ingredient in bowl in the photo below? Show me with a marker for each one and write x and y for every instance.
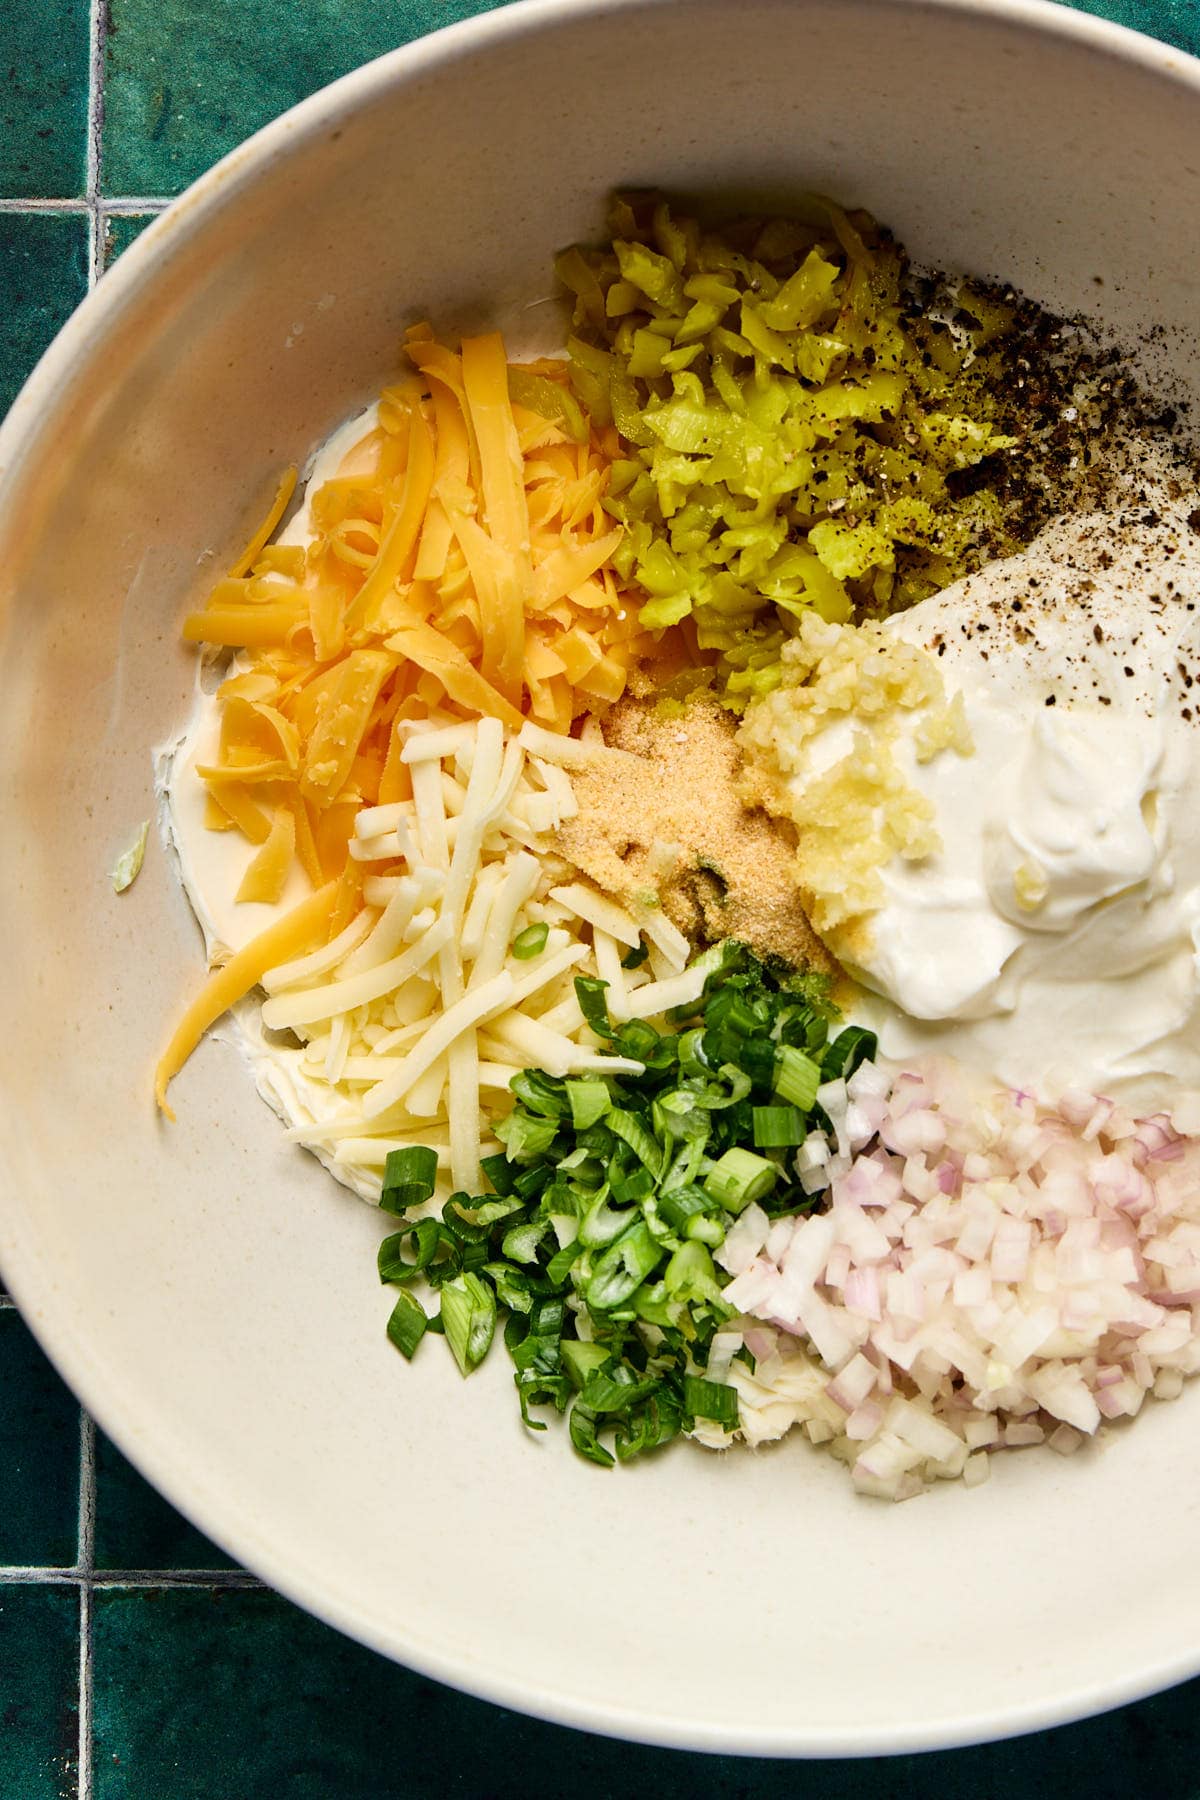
(128, 865)
(991, 1272)
(828, 750)
(794, 417)
(611, 1196)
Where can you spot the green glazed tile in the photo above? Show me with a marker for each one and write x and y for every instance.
(39, 1455)
(136, 1528)
(43, 277)
(43, 99)
(120, 229)
(236, 1693)
(1174, 21)
(39, 1685)
(186, 83)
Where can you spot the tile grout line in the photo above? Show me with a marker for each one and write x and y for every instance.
(86, 1545)
(97, 43)
(86, 1566)
(121, 205)
(96, 1579)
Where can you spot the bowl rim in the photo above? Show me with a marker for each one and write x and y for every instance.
(21, 432)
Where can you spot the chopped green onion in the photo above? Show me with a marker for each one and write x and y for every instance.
(690, 1275)
(521, 1242)
(656, 1422)
(714, 1400)
(543, 1094)
(639, 1040)
(705, 1229)
(622, 1268)
(512, 1286)
(601, 1224)
(525, 1136)
(681, 1114)
(605, 1393)
(425, 1236)
(590, 1100)
(498, 1172)
(692, 1060)
(628, 1126)
(407, 1325)
(469, 1316)
(563, 1261)
(583, 1359)
(778, 1127)
(681, 1205)
(530, 942)
(849, 1048)
(595, 1242)
(582, 1427)
(739, 1177)
(409, 1178)
(797, 1077)
(636, 957)
(590, 994)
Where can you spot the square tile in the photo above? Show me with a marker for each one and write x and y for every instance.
(200, 1693)
(186, 83)
(43, 277)
(120, 229)
(39, 1455)
(44, 100)
(136, 1528)
(39, 1687)
(1174, 21)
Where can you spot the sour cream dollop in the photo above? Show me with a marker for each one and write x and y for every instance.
(1057, 931)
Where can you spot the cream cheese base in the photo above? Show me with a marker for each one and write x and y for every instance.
(1055, 936)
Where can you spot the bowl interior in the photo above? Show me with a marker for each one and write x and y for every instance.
(207, 1288)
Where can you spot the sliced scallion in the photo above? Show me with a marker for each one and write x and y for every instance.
(739, 1177)
(797, 1077)
(714, 1400)
(779, 1127)
(409, 1178)
(582, 1360)
(611, 1195)
(590, 1100)
(407, 1325)
(469, 1316)
(849, 1048)
(530, 942)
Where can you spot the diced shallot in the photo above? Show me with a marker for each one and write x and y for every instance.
(989, 1271)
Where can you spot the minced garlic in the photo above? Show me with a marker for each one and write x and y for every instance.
(854, 814)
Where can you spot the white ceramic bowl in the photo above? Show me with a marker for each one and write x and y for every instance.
(208, 1290)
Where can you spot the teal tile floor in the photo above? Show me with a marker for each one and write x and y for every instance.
(135, 1662)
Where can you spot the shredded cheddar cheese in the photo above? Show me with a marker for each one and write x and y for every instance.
(461, 559)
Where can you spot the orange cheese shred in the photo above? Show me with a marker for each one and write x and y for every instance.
(275, 512)
(240, 810)
(267, 873)
(400, 539)
(485, 382)
(336, 737)
(299, 930)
